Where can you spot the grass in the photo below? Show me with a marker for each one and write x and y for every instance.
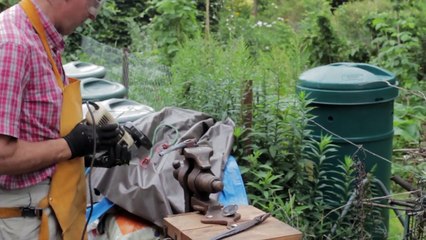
(395, 228)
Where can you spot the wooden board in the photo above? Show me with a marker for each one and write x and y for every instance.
(187, 226)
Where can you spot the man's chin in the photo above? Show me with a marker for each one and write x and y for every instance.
(65, 32)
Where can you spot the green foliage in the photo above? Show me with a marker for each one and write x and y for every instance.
(418, 13)
(389, 34)
(239, 8)
(281, 66)
(113, 25)
(262, 187)
(357, 40)
(314, 203)
(323, 42)
(4, 4)
(214, 82)
(231, 25)
(294, 12)
(398, 47)
(174, 22)
(261, 34)
(408, 122)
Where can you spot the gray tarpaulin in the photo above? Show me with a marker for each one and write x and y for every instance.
(151, 191)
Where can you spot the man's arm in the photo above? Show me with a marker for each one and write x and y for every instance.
(19, 157)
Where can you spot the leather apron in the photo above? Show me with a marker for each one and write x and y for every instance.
(67, 194)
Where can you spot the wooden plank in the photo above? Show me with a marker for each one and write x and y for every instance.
(188, 226)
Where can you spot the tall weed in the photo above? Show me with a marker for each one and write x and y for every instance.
(214, 82)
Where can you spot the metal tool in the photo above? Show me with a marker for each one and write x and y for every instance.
(242, 227)
(229, 210)
(196, 178)
(217, 214)
(198, 182)
(130, 139)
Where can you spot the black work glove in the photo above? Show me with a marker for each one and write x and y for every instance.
(81, 138)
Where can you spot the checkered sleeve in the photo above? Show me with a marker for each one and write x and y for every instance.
(12, 80)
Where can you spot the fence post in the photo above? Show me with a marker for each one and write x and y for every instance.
(125, 69)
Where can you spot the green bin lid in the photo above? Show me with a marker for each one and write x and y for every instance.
(98, 89)
(348, 83)
(81, 70)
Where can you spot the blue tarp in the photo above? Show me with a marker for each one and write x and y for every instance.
(234, 191)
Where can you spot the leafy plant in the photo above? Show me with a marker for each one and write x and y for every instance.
(174, 22)
(397, 43)
(214, 82)
(262, 187)
(356, 41)
(408, 122)
(323, 42)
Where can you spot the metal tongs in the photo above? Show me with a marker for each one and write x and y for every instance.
(242, 227)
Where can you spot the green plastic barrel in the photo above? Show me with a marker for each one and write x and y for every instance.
(82, 70)
(98, 89)
(354, 102)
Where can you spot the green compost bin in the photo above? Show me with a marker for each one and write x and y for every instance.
(98, 89)
(82, 70)
(354, 102)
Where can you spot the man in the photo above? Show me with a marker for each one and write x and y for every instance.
(42, 186)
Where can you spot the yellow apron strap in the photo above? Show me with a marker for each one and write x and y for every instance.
(67, 195)
(34, 18)
(44, 225)
(32, 14)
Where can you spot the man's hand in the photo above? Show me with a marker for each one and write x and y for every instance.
(81, 139)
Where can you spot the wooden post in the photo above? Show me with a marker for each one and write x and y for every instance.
(255, 8)
(125, 69)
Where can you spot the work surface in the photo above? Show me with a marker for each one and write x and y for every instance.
(187, 226)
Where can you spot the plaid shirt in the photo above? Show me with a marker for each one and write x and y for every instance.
(30, 100)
